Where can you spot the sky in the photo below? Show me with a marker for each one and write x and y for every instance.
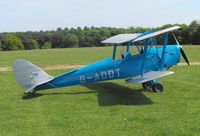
(36, 15)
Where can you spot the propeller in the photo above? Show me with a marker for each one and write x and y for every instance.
(184, 55)
(181, 49)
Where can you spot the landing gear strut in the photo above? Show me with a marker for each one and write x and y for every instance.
(156, 87)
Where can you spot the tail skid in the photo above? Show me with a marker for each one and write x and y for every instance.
(29, 76)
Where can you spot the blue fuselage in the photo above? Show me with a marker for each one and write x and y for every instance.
(109, 69)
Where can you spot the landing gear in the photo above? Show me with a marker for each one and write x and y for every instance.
(156, 87)
(147, 85)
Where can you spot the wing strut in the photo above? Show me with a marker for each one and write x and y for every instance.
(144, 58)
(114, 52)
(128, 46)
(164, 50)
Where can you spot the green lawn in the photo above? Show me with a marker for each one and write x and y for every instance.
(73, 55)
(57, 56)
(108, 108)
(193, 53)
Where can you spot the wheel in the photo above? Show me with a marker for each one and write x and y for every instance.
(157, 87)
(147, 85)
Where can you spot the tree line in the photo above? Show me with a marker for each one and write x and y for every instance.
(86, 37)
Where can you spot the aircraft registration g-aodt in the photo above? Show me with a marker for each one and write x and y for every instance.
(149, 62)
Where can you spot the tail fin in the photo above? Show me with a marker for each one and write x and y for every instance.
(29, 76)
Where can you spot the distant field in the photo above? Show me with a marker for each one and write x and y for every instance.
(57, 56)
(111, 108)
(73, 55)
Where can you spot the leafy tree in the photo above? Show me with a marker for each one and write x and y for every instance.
(57, 40)
(196, 36)
(73, 41)
(194, 25)
(194, 30)
(46, 45)
(89, 36)
(32, 44)
(12, 42)
(183, 34)
(1, 46)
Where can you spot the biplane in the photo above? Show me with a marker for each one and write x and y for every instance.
(149, 62)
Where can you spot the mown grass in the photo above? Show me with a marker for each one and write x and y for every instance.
(73, 55)
(57, 56)
(107, 108)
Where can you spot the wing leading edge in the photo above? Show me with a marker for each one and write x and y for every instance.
(121, 38)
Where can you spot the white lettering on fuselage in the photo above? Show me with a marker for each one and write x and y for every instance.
(103, 75)
(97, 77)
(82, 79)
(118, 72)
(111, 74)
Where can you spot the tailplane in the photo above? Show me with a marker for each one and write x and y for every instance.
(29, 76)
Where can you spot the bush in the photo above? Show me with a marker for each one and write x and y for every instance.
(46, 45)
(32, 44)
(73, 41)
(12, 42)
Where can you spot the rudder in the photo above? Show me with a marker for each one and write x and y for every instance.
(29, 76)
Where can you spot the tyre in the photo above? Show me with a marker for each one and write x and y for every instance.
(157, 87)
(147, 85)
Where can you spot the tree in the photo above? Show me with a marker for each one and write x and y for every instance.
(73, 41)
(32, 44)
(194, 32)
(46, 45)
(12, 42)
(1, 46)
(196, 36)
(57, 40)
(183, 34)
(90, 36)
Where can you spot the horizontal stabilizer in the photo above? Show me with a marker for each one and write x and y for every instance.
(148, 76)
(29, 76)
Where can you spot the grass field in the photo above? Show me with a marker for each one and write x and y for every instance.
(107, 108)
(73, 56)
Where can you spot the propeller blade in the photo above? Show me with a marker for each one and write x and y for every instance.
(184, 56)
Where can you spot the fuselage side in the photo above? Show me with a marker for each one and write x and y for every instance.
(109, 69)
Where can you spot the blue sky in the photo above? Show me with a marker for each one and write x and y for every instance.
(35, 15)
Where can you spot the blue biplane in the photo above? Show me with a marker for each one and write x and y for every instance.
(149, 63)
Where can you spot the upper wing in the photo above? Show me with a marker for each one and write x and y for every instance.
(124, 38)
(121, 38)
(150, 35)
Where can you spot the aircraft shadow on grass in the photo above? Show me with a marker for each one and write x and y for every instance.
(109, 94)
